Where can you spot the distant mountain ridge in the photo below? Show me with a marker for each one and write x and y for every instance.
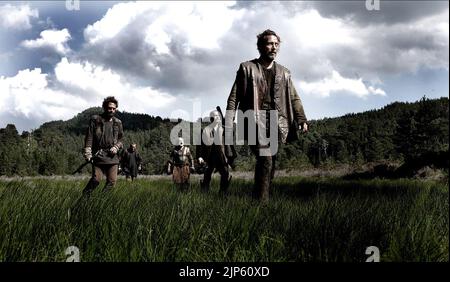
(131, 121)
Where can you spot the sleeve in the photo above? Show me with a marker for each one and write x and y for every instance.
(119, 143)
(237, 91)
(234, 99)
(90, 133)
(299, 113)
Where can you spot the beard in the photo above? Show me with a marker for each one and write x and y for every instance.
(268, 56)
(271, 56)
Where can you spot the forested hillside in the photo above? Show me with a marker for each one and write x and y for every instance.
(400, 132)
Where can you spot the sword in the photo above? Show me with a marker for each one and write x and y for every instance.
(78, 170)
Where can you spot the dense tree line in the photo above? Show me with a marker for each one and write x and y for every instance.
(399, 132)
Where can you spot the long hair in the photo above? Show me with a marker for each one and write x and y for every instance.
(262, 38)
(109, 99)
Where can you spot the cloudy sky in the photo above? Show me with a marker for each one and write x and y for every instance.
(179, 59)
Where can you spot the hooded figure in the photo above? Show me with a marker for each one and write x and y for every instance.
(131, 162)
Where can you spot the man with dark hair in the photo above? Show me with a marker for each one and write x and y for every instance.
(102, 142)
(266, 88)
(212, 152)
(131, 162)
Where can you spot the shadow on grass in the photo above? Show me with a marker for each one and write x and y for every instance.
(308, 188)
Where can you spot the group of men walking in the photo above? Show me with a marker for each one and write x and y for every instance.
(211, 156)
(262, 86)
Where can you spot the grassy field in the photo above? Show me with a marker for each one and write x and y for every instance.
(307, 219)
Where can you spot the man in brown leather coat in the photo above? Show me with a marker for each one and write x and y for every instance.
(102, 142)
(265, 87)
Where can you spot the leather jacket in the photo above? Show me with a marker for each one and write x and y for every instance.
(250, 87)
(99, 142)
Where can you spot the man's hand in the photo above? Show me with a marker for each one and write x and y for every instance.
(87, 154)
(200, 160)
(303, 127)
(113, 150)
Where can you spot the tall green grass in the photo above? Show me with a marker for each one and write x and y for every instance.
(307, 219)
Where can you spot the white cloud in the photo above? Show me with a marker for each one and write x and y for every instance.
(117, 17)
(202, 24)
(27, 94)
(17, 17)
(30, 97)
(55, 40)
(315, 45)
(94, 83)
(404, 47)
(314, 31)
(376, 91)
(336, 84)
(199, 24)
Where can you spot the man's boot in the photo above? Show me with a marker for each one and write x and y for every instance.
(261, 188)
(224, 184)
(108, 187)
(204, 186)
(90, 186)
(264, 192)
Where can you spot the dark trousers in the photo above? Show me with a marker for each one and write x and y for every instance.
(222, 167)
(130, 177)
(224, 175)
(98, 170)
(264, 174)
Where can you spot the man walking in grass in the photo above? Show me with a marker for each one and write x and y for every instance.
(102, 142)
(131, 162)
(264, 91)
(212, 152)
(181, 165)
